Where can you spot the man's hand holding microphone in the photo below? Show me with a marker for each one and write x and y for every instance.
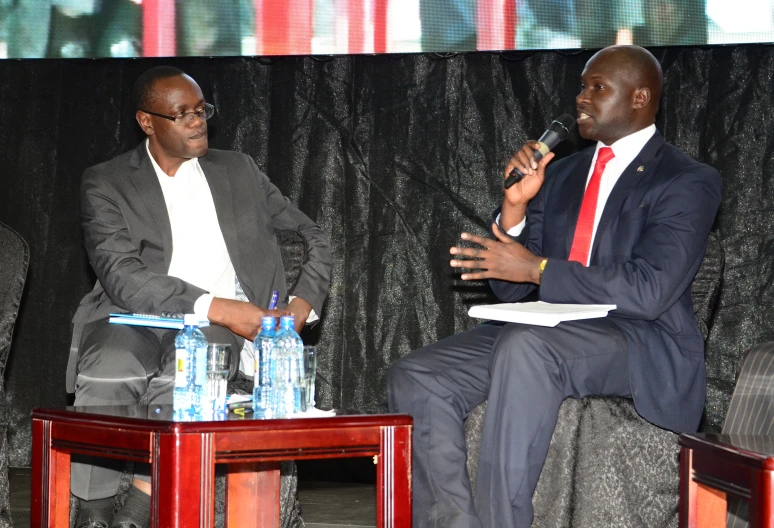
(504, 258)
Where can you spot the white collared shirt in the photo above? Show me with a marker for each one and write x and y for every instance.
(199, 254)
(625, 150)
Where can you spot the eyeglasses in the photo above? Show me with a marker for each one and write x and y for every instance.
(186, 118)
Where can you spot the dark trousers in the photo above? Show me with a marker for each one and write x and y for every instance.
(524, 372)
(118, 365)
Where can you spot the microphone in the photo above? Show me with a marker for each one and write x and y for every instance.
(554, 134)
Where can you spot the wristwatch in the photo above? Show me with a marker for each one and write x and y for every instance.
(542, 268)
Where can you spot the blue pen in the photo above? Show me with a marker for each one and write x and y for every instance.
(274, 299)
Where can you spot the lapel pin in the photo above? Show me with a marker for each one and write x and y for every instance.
(641, 168)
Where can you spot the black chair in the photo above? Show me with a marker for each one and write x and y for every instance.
(750, 412)
(606, 466)
(14, 259)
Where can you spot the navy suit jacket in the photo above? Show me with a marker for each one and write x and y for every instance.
(647, 249)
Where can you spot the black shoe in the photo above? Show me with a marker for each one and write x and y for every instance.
(93, 524)
(135, 513)
(95, 513)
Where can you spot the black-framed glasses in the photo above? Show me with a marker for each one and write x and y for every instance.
(186, 118)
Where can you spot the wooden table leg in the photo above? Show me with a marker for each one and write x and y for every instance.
(711, 507)
(50, 504)
(253, 495)
(761, 499)
(183, 483)
(393, 478)
(687, 504)
(700, 506)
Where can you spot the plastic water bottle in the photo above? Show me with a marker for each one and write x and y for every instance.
(283, 400)
(190, 370)
(290, 350)
(265, 369)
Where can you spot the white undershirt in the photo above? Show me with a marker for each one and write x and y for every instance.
(625, 150)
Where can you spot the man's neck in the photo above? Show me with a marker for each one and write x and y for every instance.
(170, 166)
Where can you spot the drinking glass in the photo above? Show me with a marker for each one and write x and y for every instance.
(310, 371)
(218, 363)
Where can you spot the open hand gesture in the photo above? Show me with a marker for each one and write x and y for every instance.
(503, 259)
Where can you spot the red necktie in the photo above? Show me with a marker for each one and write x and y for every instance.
(581, 242)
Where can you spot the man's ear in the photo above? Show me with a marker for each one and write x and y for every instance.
(641, 98)
(144, 121)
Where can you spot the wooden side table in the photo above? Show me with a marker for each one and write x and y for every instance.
(714, 466)
(183, 457)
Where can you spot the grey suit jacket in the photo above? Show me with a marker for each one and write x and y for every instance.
(129, 240)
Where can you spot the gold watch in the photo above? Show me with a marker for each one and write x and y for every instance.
(542, 268)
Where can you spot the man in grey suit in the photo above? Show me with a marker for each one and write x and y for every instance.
(175, 227)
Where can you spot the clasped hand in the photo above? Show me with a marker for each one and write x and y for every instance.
(244, 319)
(503, 259)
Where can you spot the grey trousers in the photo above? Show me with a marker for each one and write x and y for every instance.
(524, 372)
(118, 365)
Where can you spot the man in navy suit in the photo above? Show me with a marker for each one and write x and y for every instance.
(624, 222)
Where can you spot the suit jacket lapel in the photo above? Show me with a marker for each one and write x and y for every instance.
(147, 184)
(220, 187)
(628, 180)
(575, 188)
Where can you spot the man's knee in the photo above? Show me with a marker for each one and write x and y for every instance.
(116, 351)
(115, 363)
(519, 344)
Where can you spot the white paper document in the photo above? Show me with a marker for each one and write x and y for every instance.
(314, 413)
(539, 313)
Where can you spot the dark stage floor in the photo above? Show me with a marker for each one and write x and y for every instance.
(325, 504)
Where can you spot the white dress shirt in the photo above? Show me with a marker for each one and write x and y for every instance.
(199, 254)
(625, 150)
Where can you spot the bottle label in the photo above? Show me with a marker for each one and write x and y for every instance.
(180, 367)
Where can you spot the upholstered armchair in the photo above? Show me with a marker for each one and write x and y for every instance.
(14, 259)
(606, 466)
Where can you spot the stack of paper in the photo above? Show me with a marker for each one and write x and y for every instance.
(150, 320)
(539, 313)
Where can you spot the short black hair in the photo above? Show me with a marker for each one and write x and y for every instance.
(143, 94)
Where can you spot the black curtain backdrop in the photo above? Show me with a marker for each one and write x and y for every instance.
(394, 156)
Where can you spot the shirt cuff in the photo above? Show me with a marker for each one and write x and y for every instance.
(312, 316)
(515, 230)
(202, 306)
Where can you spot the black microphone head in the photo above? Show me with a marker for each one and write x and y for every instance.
(563, 125)
(557, 131)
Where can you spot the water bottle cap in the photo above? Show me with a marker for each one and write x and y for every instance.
(287, 320)
(268, 321)
(191, 320)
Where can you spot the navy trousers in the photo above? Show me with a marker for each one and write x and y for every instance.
(525, 372)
